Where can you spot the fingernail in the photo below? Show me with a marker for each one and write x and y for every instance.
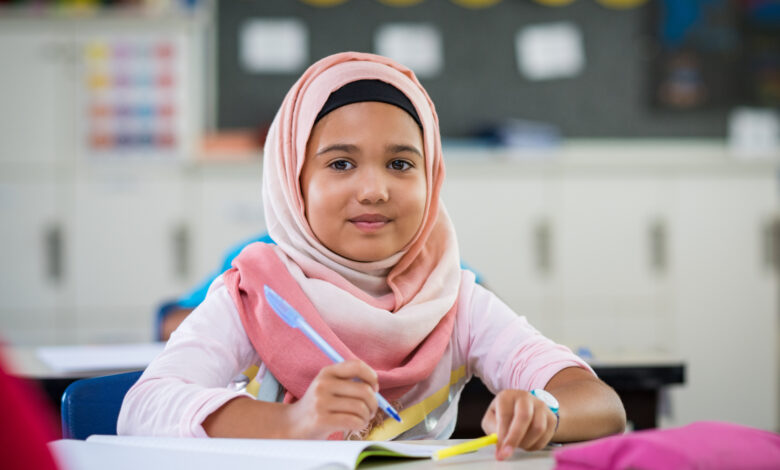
(507, 451)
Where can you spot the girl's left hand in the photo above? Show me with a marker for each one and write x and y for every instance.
(520, 420)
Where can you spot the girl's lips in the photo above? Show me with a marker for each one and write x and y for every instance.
(369, 226)
(370, 222)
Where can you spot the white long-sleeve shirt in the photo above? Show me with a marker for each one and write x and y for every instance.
(189, 380)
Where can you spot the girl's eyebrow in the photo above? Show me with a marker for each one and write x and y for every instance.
(350, 148)
(398, 148)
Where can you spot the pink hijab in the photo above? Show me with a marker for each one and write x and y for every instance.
(395, 314)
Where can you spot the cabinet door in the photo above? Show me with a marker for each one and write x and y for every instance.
(131, 249)
(37, 93)
(230, 208)
(498, 218)
(34, 277)
(726, 300)
(611, 270)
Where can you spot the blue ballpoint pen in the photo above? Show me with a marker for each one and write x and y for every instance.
(295, 320)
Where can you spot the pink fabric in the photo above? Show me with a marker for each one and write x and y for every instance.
(292, 359)
(703, 445)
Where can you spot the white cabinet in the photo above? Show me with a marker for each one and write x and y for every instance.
(726, 306)
(38, 93)
(34, 281)
(502, 224)
(670, 253)
(229, 210)
(132, 249)
(610, 269)
(36, 149)
(92, 241)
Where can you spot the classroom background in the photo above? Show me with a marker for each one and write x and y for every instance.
(612, 165)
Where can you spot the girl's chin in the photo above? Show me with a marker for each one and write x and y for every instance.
(369, 255)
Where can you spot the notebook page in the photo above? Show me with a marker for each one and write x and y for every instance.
(340, 452)
(72, 454)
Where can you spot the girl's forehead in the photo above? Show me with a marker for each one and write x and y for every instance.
(366, 123)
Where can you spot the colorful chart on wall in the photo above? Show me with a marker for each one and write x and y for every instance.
(133, 94)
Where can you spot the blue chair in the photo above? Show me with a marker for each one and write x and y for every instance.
(91, 406)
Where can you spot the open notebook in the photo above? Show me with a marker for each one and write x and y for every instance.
(150, 453)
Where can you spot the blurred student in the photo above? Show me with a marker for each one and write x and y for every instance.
(26, 427)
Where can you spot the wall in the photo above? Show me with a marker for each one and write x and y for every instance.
(480, 82)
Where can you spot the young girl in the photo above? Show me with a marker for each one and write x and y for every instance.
(367, 254)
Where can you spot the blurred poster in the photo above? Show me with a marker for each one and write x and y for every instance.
(716, 53)
(760, 25)
(698, 51)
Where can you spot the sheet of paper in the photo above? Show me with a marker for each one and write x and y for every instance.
(274, 46)
(104, 357)
(550, 51)
(85, 455)
(416, 45)
(324, 452)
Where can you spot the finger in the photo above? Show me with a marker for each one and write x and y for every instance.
(505, 414)
(522, 417)
(356, 390)
(351, 406)
(521, 422)
(547, 435)
(537, 428)
(355, 369)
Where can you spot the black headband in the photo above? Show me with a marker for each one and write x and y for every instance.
(368, 90)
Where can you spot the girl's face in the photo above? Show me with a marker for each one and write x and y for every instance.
(363, 180)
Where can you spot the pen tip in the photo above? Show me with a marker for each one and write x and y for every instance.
(394, 415)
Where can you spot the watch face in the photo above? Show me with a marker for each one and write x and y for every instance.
(547, 398)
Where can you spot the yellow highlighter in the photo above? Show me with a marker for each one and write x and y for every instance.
(466, 447)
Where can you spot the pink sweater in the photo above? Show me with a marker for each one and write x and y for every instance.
(190, 378)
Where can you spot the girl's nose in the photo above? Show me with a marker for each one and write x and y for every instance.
(372, 187)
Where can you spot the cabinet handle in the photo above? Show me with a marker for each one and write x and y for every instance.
(543, 247)
(180, 251)
(658, 247)
(771, 244)
(52, 247)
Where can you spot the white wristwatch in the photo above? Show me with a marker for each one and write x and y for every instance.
(550, 401)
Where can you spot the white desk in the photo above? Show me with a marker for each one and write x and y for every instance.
(81, 455)
(76, 362)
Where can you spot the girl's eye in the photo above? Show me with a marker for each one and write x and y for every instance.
(341, 165)
(400, 165)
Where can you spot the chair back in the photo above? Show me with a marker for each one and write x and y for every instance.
(91, 406)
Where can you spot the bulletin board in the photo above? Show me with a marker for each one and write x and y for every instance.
(479, 84)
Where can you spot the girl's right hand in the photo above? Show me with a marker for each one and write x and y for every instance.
(340, 398)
